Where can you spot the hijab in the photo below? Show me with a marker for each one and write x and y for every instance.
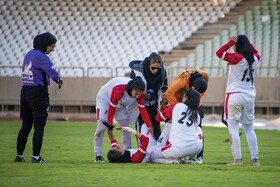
(137, 82)
(42, 41)
(125, 158)
(243, 47)
(197, 80)
(154, 81)
(193, 99)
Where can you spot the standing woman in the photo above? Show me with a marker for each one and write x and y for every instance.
(241, 92)
(152, 72)
(34, 106)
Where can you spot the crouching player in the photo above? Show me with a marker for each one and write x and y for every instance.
(118, 154)
(185, 137)
(113, 100)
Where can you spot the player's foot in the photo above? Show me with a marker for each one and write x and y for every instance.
(39, 160)
(191, 160)
(255, 162)
(185, 161)
(99, 159)
(199, 160)
(236, 162)
(19, 159)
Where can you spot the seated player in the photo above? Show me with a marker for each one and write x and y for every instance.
(185, 137)
(191, 79)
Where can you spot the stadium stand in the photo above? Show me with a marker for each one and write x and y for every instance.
(262, 28)
(101, 33)
(98, 38)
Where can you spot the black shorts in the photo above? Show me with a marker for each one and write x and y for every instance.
(34, 101)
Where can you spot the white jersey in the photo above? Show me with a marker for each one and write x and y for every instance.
(239, 79)
(105, 92)
(183, 131)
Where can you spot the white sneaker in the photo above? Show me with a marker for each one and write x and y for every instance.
(199, 160)
(255, 162)
(236, 162)
(185, 161)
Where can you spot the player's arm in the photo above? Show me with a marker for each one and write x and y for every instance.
(144, 114)
(112, 138)
(232, 58)
(165, 114)
(47, 65)
(171, 91)
(110, 133)
(116, 95)
(256, 53)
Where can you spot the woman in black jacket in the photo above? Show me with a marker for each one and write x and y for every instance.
(153, 73)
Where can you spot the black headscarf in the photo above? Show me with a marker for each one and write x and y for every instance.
(125, 158)
(243, 47)
(137, 82)
(197, 80)
(154, 81)
(193, 99)
(42, 41)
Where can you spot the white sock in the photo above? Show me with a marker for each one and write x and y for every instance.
(36, 157)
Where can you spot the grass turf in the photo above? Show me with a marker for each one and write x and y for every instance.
(68, 148)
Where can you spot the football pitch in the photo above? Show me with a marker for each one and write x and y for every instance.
(68, 148)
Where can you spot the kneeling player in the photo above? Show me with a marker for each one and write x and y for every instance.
(185, 138)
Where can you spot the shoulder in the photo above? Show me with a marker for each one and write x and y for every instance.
(179, 106)
(136, 65)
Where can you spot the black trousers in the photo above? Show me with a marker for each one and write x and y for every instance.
(34, 106)
(152, 112)
(201, 114)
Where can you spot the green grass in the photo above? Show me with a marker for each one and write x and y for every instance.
(68, 148)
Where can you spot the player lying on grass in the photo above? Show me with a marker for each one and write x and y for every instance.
(119, 98)
(185, 137)
(118, 154)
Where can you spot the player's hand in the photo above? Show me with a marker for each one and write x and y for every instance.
(110, 132)
(60, 83)
(110, 127)
(164, 101)
(119, 128)
(234, 38)
(150, 130)
(148, 96)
